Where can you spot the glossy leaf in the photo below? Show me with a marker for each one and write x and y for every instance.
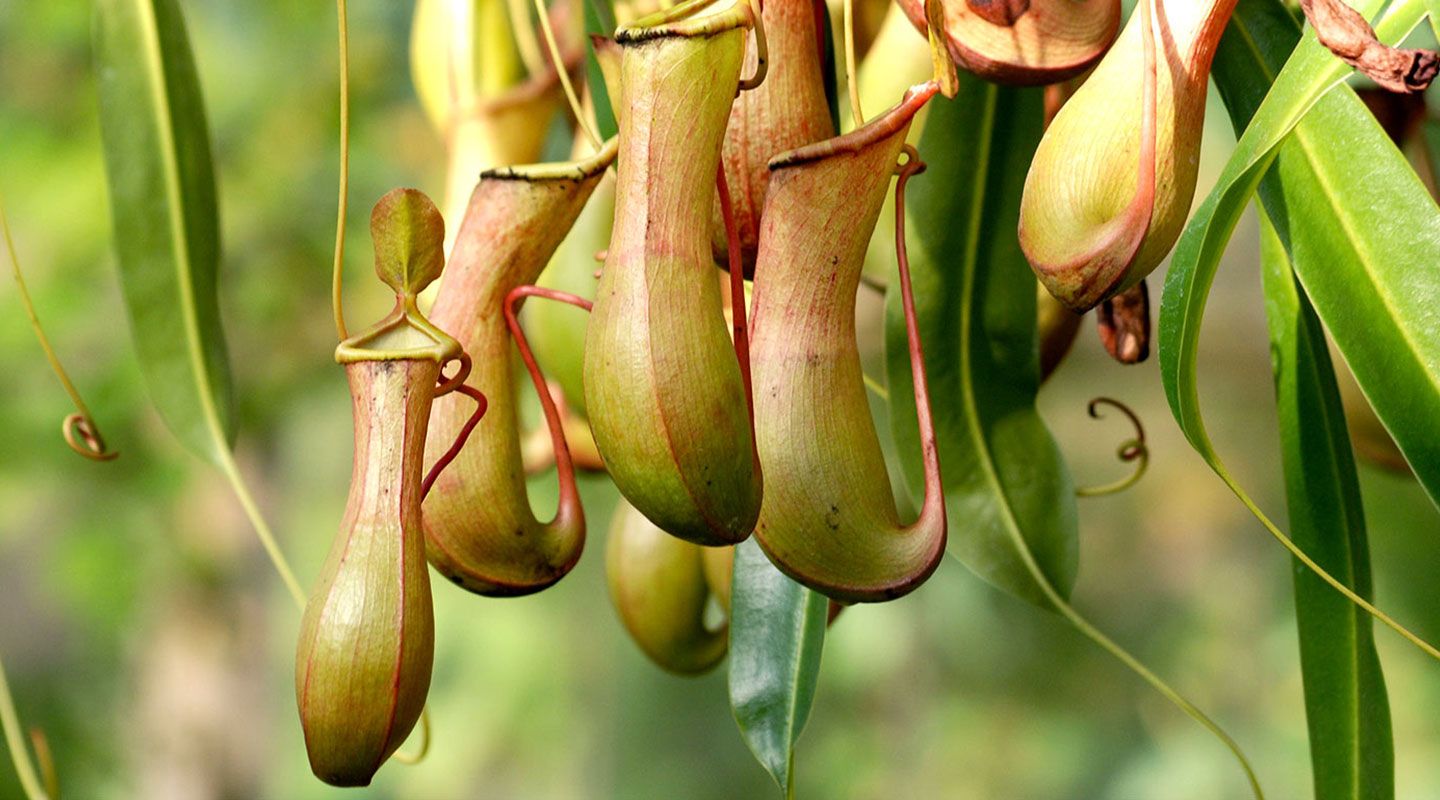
(1346, 707)
(163, 208)
(777, 630)
(162, 199)
(1008, 492)
(1392, 302)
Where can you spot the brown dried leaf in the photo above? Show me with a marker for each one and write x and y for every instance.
(1352, 40)
(1124, 324)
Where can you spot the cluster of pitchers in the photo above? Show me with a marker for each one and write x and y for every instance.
(711, 429)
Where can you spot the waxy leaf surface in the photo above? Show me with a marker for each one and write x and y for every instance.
(1009, 497)
(777, 630)
(1346, 706)
(1360, 230)
(162, 199)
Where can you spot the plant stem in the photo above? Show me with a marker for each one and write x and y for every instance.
(853, 80)
(95, 444)
(10, 724)
(525, 41)
(337, 273)
(262, 529)
(564, 75)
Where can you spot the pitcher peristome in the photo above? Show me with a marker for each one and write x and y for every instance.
(1031, 43)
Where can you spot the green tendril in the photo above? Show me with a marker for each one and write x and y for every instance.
(79, 428)
(1130, 450)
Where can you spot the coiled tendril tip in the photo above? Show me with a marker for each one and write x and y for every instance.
(1130, 450)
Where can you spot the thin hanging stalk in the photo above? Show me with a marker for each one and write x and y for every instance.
(10, 724)
(851, 79)
(581, 118)
(337, 274)
(80, 423)
(525, 42)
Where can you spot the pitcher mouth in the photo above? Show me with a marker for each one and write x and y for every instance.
(578, 170)
(691, 19)
(877, 129)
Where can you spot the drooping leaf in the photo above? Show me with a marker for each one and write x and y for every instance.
(1010, 498)
(162, 200)
(1352, 754)
(1392, 296)
(777, 630)
(1346, 706)
(163, 208)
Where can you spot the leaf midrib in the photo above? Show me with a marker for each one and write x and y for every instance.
(972, 416)
(165, 128)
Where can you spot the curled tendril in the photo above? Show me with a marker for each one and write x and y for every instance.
(910, 166)
(80, 423)
(456, 383)
(448, 385)
(424, 748)
(1130, 450)
(84, 438)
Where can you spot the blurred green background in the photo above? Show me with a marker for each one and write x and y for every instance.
(144, 631)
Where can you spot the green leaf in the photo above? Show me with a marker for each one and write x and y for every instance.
(1346, 707)
(1389, 300)
(599, 21)
(162, 200)
(1008, 493)
(409, 236)
(162, 204)
(777, 630)
(1010, 499)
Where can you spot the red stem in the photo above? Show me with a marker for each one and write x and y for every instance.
(933, 507)
(737, 291)
(460, 438)
(564, 466)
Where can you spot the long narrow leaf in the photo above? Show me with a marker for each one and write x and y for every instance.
(1307, 77)
(1009, 495)
(162, 200)
(1364, 236)
(1346, 707)
(162, 204)
(777, 630)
